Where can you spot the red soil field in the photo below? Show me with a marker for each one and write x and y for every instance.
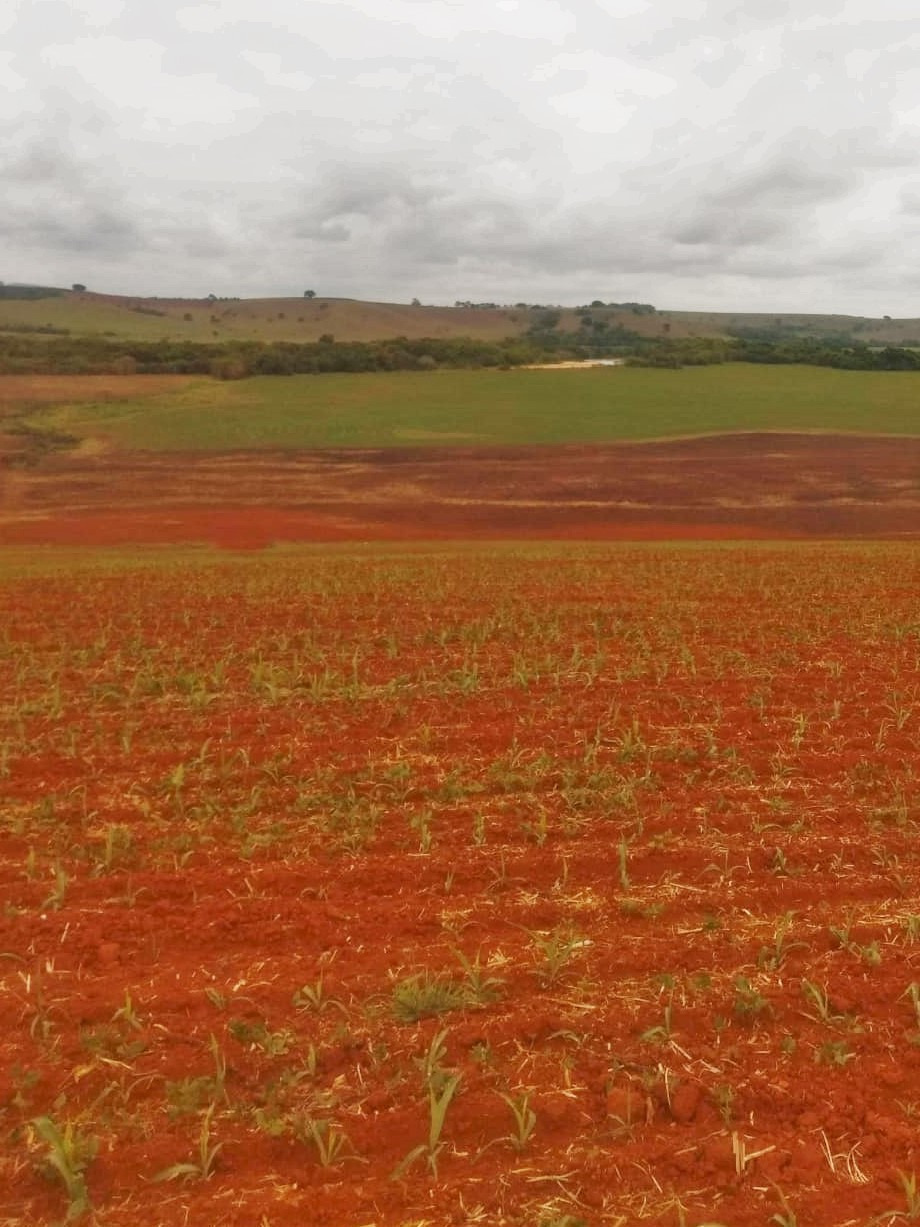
(729, 487)
(602, 858)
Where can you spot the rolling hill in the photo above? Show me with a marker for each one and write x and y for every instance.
(81, 313)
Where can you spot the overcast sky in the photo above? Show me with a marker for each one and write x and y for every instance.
(722, 154)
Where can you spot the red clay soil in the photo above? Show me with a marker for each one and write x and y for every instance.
(734, 486)
(641, 825)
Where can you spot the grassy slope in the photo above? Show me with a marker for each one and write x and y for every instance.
(499, 407)
(299, 319)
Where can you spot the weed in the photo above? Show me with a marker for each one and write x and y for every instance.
(425, 995)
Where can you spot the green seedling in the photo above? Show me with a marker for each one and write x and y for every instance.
(257, 1035)
(913, 992)
(749, 1004)
(203, 1168)
(819, 998)
(439, 1100)
(329, 1140)
(314, 997)
(661, 1032)
(911, 1195)
(525, 1119)
(59, 889)
(834, 1052)
(425, 996)
(557, 949)
(69, 1153)
(433, 1072)
(772, 957)
(481, 988)
(127, 1014)
(421, 824)
(623, 854)
(723, 1096)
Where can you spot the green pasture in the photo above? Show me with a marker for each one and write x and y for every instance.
(499, 407)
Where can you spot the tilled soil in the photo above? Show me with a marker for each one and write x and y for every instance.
(747, 485)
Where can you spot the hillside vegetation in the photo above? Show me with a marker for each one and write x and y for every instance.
(50, 312)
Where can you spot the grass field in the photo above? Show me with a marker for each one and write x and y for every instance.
(300, 319)
(495, 407)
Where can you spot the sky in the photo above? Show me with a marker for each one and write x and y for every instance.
(694, 154)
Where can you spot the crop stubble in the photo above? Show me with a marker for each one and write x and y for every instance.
(642, 821)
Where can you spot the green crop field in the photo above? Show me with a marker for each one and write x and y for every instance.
(498, 407)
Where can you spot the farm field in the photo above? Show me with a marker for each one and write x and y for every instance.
(488, 408)
(535, 885)
(736, 451)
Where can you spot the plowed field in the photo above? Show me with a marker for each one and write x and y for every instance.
(731, 486)
(570, 885)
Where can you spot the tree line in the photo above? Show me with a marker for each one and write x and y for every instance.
(45, 352)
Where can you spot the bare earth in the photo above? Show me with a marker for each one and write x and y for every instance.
(731, 486)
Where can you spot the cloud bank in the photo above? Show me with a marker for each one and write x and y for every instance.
(692, 153)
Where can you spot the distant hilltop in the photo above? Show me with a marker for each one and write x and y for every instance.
(78, 311)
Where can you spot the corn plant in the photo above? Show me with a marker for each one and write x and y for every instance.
(314, 997)
(69, 1153)
(481, 989)
(328, 1139)
(820, 999)
(525, 1119)
(439, 1100)
(557, 949)
(203, 1167)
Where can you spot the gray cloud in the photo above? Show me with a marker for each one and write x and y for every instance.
(742, 154)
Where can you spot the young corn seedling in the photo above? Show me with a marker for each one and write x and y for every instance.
(59, 889)
(913, 992)
(661, 1032)
(819, 998)
(439, 1100)
(314, 997)
(911, 1196)
(480, 988)
(69, 1153)
(525, 1119)
(203, 1168)
(623, 853)
(834, 1052)
(557, 948)
(749, 1004)
(329, 1140)
(772, 957)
